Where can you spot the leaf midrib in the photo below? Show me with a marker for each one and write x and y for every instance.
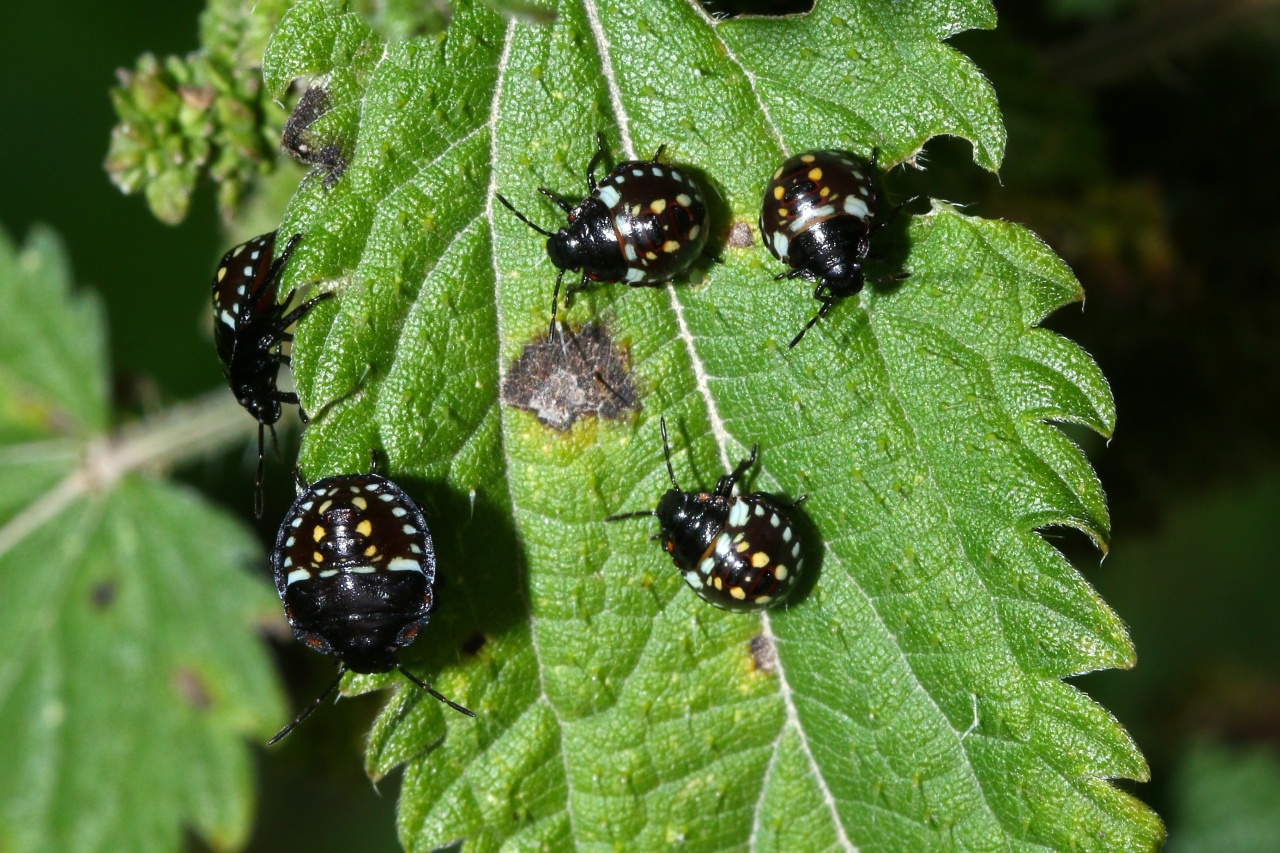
(718, 430)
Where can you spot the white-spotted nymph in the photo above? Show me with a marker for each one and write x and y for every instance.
(355, 569)
(739, 552)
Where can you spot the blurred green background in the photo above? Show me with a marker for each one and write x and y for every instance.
(1141, 147)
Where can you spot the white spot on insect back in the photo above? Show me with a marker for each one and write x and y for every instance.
(297, 575)
(693, 580)
(297, 522)
(707, 565)
(683, 200)
(255, 254)
(739, 513)
(795, 552)
(386, 496)
(774, 520)
(409, 529)
(630, 251)
(855, 207)
(610, 196)
(637, 173)
(228, 319)
(635, 274)
(786, 533)
(759, 510)
(824, 212)
(723, 544)
(413, 546)
(780, 244)
(248, 271)
(240, 290)
(657, 171)
(328, 573)
(398, 511)
(401, 564)
(362, 570)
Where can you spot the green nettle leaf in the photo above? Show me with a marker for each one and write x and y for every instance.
(909, 696)
(131, 673)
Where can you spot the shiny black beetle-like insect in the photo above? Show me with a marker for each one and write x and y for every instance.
(644, 224)
(736, 552)
(355, 569)
(818, 216)
(249, 326)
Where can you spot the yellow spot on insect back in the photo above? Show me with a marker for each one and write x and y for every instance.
(807, 158)
(670, 246)
(737, 592)
(759, 559)
(222, 273)
(360, 503)
(815, 174)
(318, 533)
(778, 193)
(364, 528)
(317, 557)
(371, 550)
(658, 206)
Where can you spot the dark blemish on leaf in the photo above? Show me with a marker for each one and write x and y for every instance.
(191, 688)
(763, 654)
(296, 140)
(103, 594)
(740, 236)
(474, 643)
(571, 375)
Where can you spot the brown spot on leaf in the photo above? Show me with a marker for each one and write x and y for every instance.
(740, 236)
(191, 687)
(763, 654)
(571, 375)
(103, 594)
(297, 141)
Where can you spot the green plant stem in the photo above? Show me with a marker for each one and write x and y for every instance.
(173, 436)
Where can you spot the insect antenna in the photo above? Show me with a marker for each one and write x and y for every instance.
(544, 232)
(306, 712)
(623, 516)
(418, 681)
(555, 297)
(666, 452)
(257, 488)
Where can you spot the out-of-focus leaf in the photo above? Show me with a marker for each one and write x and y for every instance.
(1226, 801)
(131, 673)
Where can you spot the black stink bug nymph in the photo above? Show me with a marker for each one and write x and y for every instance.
(818, 216)
(355, 569)
(644, 224)
(248, 327)
(737, 552)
